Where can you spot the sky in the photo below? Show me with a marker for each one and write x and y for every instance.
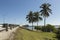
(15, 11)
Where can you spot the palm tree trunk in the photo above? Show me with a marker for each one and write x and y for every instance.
(32, 25)
(37, 23)
(44, 23)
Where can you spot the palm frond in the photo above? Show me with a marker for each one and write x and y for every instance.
(45, 11)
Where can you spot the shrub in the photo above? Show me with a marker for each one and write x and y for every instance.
(37, 28)
(49, 28)
(58, 33)
(43, 28)
(58, 36)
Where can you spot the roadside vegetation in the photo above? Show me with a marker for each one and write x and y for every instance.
(58, 33)
(43, 14)
(23, 34)
(47, 28)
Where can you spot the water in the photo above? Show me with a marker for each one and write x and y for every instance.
(30, 27)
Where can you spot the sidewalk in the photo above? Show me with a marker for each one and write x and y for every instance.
(5, 35)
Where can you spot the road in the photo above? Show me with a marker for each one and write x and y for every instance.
(5, 35)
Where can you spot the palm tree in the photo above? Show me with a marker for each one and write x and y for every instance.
(37, 17)
(45, 12)
(30, 18)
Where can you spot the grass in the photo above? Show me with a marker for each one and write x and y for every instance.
(23, 34)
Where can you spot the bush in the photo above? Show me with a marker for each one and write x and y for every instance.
(43, 28)
(49, 28)
(37, 28)
(58, 33)
(58, 36)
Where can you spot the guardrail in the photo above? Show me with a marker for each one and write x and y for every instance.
(2, 29)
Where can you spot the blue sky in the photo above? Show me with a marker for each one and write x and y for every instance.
(15, 11)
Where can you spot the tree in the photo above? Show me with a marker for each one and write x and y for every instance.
(45, 11)
(37, 17)
(30, 18)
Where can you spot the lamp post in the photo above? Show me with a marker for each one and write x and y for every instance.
(5, 25)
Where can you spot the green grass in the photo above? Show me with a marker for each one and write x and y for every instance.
(23, 34)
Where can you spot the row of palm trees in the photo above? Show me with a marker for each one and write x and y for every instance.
(33, 17)
(37, 16)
